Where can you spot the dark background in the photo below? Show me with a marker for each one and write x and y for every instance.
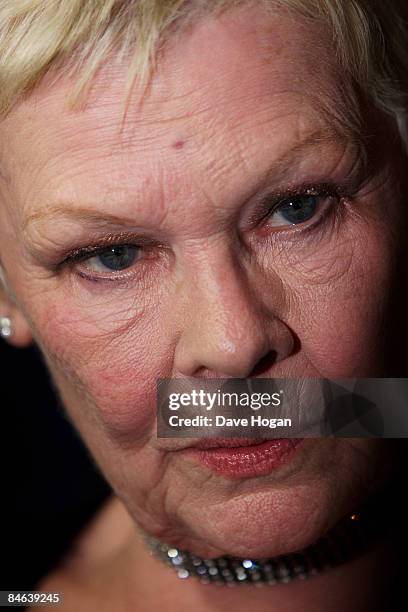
(50, 485)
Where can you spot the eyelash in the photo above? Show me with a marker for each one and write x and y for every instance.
(269, 205)
(324, 190)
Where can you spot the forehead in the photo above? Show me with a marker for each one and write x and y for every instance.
(243, 83)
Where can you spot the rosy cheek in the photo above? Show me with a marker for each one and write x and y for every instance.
(106, 375)
(124, 397)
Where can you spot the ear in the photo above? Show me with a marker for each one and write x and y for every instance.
(21, 335)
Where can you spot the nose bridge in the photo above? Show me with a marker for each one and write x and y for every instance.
(225, 328)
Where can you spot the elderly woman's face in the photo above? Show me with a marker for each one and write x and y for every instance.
(218, 275)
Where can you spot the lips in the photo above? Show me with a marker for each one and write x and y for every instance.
(243, 458)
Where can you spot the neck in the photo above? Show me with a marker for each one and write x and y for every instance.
(360, 585)
(135, 575)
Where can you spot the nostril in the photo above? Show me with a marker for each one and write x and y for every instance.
(271, 357)
(264, 364)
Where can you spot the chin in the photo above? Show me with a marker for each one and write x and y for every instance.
(263, 524)
(282, 512)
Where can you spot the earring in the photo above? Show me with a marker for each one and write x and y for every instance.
(6, 327)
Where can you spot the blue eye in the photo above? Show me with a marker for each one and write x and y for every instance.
(116, 258)
(293, 211)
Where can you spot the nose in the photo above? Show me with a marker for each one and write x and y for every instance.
(228, 329)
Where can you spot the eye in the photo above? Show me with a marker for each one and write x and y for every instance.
(113, 259)
(295, 210)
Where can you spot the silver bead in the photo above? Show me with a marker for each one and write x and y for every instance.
(183, 573)
(172, 553)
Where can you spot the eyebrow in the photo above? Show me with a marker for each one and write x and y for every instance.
(279, 167)
(80, 214)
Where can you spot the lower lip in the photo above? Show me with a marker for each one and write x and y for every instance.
(249, 460)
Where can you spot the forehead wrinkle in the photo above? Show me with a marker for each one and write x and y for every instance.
(154, 110)
(68, 209)
(140, 142)
(195, 93)
(101, 219)
(216, 166)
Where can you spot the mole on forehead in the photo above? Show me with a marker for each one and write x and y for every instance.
(178, 144)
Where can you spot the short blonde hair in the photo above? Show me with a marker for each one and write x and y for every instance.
(35, 35)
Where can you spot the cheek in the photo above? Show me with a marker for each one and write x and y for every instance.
(106, 365)
(338, 296)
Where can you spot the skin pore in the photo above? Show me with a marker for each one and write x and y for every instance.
(244, 111)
